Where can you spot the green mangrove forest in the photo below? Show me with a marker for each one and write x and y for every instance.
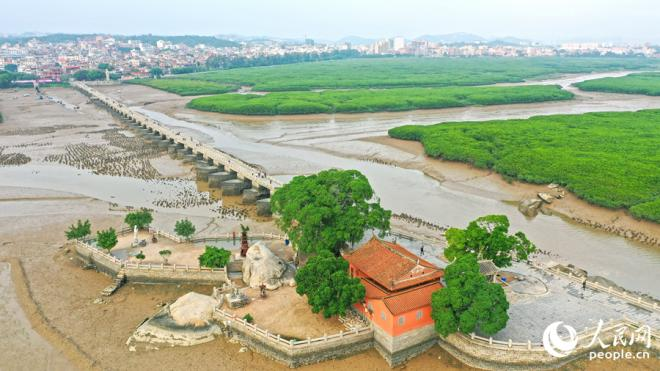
(413, 72)
(636, 83)
(366, 100)
(184, 87)
(607, 158)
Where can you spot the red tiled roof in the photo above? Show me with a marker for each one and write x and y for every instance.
(392, 266)
(372, 291)
(411, 299)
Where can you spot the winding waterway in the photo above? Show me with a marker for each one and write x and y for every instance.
(288, 146)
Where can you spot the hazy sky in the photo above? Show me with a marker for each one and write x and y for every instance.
(544, 20)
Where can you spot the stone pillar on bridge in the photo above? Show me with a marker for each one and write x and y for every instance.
(233, 187)
(204, 170)
(216, 179)
(263, 207)
(252, 195)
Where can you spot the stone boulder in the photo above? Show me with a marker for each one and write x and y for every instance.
(193, 309)
(261, 266)
(530, 207)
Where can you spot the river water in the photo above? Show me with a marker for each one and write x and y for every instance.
(288, 146)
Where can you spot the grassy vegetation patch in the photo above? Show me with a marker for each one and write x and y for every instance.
(365, 100)
(610, 159)
(636, 83)
(412, 72)
(185, 87)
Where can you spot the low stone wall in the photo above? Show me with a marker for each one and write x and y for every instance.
(149, 273)
(489, 354)
(295, 353)
(399, 349)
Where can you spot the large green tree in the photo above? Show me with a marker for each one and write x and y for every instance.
(327, 284)
(141, 219)
(106, 239)
(326, 210)
(488, 237)
(79, 230)
(469, 302)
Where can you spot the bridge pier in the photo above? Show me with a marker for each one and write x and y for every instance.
(252, 195)
(263, 207)
(204, 170)
(182, 152)
(216, 179)
(189, 159)
(234, 187)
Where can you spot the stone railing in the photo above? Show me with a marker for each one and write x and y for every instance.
(171, 267)
(490, 354)
(97, 253)
(586, 333)
(290, 344)
(251, 236)
(157, 273)
(639, 301)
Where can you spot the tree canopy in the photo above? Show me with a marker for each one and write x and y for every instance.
(79, 230)
(326, 210)
(141, 219)
(214, 257)
(89, 75)
(11, 67)
(105, 66)
(327, 284)
(469, 302)
(106, 239)
(184, 228)
(156, 72)
(487, 238)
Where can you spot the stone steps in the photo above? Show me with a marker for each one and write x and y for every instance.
(118, 282)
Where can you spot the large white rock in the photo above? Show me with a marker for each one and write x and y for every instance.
(261, 266)
(193, 309)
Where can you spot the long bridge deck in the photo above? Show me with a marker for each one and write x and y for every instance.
(231, 164)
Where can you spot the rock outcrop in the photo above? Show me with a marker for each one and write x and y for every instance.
(188, 321)
(193, 309)
(261, 266)
(530, 207)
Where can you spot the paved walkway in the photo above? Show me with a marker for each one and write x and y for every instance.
(564, 301)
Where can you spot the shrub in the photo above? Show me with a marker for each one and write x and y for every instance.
(214, 257)
(184, 228)
(248, 317)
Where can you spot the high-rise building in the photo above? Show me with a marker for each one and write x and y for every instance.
(398, 43)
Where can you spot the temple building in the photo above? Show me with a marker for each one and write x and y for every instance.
(398, 287)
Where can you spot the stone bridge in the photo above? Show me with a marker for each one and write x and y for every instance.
(220, 169)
